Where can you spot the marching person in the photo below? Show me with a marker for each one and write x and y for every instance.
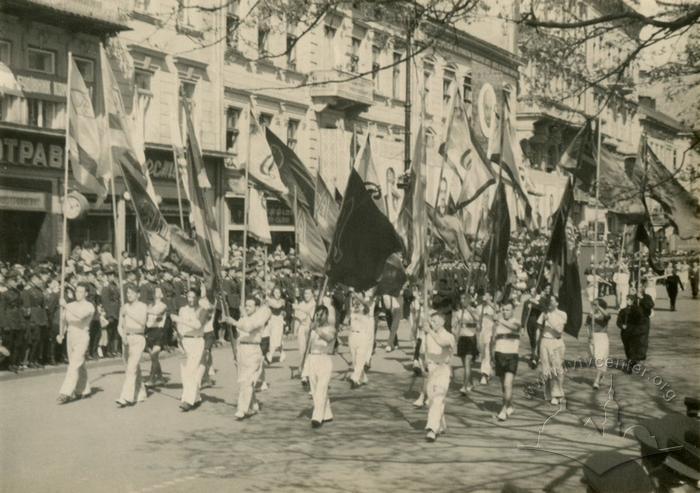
(250, 357)
(276, 324)
(303, 313)
(694, 278)
(634, 321)
(598, 342)
(439, 347)
(552, 351)
(77, 316)
(621, 278)
(673, 281)
(155, 336)
(504, 346)
(190, 327)
(207, 314)
(320, 365)
(392, 309)
(360, 340)
(464, 328)
(132, 326)
(487, 314)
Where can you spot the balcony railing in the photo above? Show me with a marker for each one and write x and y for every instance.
(343, 89)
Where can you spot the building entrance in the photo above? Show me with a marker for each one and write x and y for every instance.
(19, 233)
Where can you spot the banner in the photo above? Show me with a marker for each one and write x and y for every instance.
(294, 175)
(261, 165)
(580, 158)
(496, 249)
(326, 210)
(258, 226)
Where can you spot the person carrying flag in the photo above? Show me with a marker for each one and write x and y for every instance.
(505, 344)
(439, 347)
(320, 365)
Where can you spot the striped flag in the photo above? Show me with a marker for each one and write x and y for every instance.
(85, 141)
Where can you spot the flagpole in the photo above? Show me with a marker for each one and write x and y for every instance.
(114, 216)
(246, 200)
(177, 185)
(66, 161)
(597, 207)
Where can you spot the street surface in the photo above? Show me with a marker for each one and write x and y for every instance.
(376, 442)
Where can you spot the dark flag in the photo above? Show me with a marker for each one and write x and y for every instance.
(561, 253)
(294, 174)
(393, 276)
(644, 234)
(363, 240)
(496, 249)
(579, 158)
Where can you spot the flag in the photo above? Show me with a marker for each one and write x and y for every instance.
(294, 175)
(258, 226)
(619, 193)
(565, 280)
(136, 128)
(120, 154)
(580, 158)
(363, 240)
(185, 252)
(312, 251)
(450, 230)
(496, 249)
(657, 182)
(412, 221)
(326, 209)
(502, 151)
(393, 276)
(462, 156)
(85, 141)
(201, 210)
(369, 173)
(644, 233)
(261, 165)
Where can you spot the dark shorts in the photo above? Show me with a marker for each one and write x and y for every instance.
(505, 363)
(467, 346)
(265, 345)
(155, 336)
(209, 340)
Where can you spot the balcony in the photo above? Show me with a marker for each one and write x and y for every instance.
(348, 93)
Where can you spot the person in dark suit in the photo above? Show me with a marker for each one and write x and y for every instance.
(672, 284)
(36, 320)
(634, 322)
(13, 336)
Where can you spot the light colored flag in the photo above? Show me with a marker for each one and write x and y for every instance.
(369, 172)
(261, 166)
(312, 251)
(258, 226)
(463, 157)
(85, 141)
(326, 210)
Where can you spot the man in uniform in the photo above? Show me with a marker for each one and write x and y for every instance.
(132, 327)
(35, 319)
(250, 356)
(13, 336)
(439, 347)
(109, 297)
(77, 316)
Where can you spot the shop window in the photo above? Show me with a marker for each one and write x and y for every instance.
(376, 52)
(467, 87)
(45, 114)
(292, 130)
(5, 52)
(355, 55)
(396, 76)
(41, 60)
(263, 40)
(291, 51)
(233, 116)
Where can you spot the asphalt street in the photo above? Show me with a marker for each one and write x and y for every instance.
(375, 443)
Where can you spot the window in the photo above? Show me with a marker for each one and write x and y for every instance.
(329, 45)
(142, 5)
(376, 52)
(265, 120)
(142, 83)
(233, 116)
(142, 80)
(467, 87)
(427, 79)
(292, 129)
(41, 60)
(263, 40)
(396, 76)
(232, 24)
(187, 93)
(86, 68)
(5, 52)
(355, 55)
(45, 114)
(184, 13)
(232, 7)
(447, 81)
(291, 51)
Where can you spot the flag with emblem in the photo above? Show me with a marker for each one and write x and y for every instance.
(369, 172)
(85, 139)
(261, 165)
(292, 172)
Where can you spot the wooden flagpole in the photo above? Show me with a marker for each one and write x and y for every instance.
(246, 209)
(597, 209)
(66, 162)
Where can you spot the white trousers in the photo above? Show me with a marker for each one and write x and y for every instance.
(437, 385)
(485, 351)
(276, 324)
(622, 292)
(320, 367)
(191, 369)
(133, 389)
(360, 352)
(249, 364)
(302, 335)
(76, 380)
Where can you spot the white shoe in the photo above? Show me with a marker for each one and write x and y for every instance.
(483, 381)
(388, 349)
(509, 411)
(420, 402)
(596, 385)
(100, 354)
(554, 401)
(463, 391)
(502, 416)
(430, 436)
(264, 386)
